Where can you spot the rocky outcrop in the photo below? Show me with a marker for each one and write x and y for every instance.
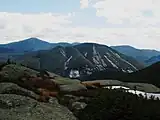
(101, 83)
(26, 94)
(77, 106)
(11, 88)
(72, 87)
(17, 107)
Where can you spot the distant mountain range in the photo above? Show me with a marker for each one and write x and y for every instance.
(33, 45)
(86, 61)
(82, 59)
(153, 60)
(28, 45)
(141, 55)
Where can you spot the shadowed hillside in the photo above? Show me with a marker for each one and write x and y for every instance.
(82, 59)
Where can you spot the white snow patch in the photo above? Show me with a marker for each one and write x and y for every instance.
(94, 50)
(69, 59)
(86, 54)
(117, 87)
(108, 54)
(98, 57)
(123, 70)
(89, 72)
(95, 57)
(114, 65)
(129, 71)
(74, 74)
(67, 62)
(103, 63)
(95, 61)
(123, 59)
(145, 94)
(63, 52)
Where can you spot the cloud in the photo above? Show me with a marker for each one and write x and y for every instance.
(84, 4)
(142, 37)
(119, 11)
(16, 25)
(59, 28)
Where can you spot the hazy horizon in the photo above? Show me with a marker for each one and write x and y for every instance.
(82, 42)
(110, 22)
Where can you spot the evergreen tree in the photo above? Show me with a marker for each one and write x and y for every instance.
(8, 61)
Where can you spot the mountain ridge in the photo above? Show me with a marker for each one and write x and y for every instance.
(81, 60)
(153, 60)
(30, 44)
(139, 54)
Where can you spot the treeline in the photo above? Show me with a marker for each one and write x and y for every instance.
(118, 105)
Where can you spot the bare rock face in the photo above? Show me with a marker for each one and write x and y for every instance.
(77, 106)
(19, 92)
(11, 88)
(72, 87)
(13, 72)
(26, 94)
(74, 103)
(17, 103)
(17, 107)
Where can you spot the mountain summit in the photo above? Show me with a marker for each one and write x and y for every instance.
(30, 44)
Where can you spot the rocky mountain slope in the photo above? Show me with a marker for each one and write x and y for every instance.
(80, 60)
(140, 55)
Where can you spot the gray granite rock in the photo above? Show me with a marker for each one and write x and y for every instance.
(16, 107)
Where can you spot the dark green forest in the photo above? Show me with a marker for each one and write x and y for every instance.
(118, 105)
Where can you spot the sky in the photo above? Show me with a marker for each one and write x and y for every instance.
(110, 22)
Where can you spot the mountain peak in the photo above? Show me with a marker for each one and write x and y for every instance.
(30, 44)
(33, 39)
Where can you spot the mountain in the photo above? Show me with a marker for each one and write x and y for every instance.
(26, 46)
(153, 60)
(107, 57)
(149, 74)
(79, 60)
(5, 50)
(139, 54)
(31, 44)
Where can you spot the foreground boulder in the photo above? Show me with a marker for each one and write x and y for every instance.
(16, 107)
(11, 88)
(13, 72)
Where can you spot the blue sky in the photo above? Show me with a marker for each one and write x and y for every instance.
(25, 6)
(111, 22)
